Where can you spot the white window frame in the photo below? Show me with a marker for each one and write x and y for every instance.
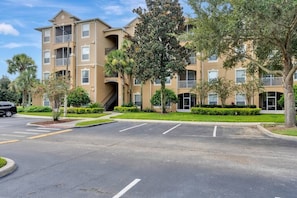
(295, 76)
(211, 58)
(137, 103)
(240, 98)
(45, 75)
(46, 57)
(212, 71)
(82, 53)
(158, 81)
(82, 76)
(47, 36)
(240, 77)
(46, 102)
(137, 82)
(85, 28)
(209, 97)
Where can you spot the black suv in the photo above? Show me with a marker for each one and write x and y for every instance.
(7, 108)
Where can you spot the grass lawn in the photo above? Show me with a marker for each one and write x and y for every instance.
(2, 162)
(182, 116)
(93, 122)
(69, 115)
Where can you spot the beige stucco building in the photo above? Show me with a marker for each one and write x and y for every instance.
(80, 47)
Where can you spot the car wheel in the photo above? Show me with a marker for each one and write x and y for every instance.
(8, 114)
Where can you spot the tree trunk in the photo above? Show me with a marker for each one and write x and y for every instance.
(123, 88)
(163, 99)
(141, 96)
(290, 112)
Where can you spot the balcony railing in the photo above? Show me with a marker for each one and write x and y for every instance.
(62, 61)
(271, 81)
(186, 83)
(63, 38)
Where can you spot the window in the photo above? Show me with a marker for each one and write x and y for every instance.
(137, 82)
(240, 99)
(240, 76)
(85, 76)
(46, 57)
(85, 53)
(295, 75)
(158, 81)
(212, 75)
(240, 50)
(46, 101)
(213, 58)
(213, 99)
(137, 99)
(85, 30)
(47, 36)
(46, 75)
(193, 58)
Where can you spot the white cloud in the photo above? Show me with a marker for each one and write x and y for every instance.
(8, 29)
(19, 45)
(113, 9)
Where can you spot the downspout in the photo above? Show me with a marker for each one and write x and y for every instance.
(95, 65)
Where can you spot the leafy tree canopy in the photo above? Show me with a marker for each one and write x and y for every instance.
(169, 97)
(78, 97)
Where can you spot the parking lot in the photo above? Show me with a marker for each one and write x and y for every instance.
(153, 159)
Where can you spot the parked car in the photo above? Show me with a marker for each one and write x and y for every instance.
(7, 108)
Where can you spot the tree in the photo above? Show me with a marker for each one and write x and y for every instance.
(223, 87)
(78, 97)
(267, 27)
(250, 88)
(155, 42)
(169, 97)
(6, 94)
(281, 101)
(201, 90)
(54, 89)
(118, 61)
(26, 68)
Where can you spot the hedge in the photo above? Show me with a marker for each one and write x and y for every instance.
(80, 110)
(225, 111)
(126, 109)
(34, 109)
(227, 106)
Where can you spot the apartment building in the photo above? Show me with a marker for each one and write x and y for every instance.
(79, 48)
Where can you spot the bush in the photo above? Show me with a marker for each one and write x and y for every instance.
(2, 162)
(126, 109)
(148, 110)
(79, 110)
(35, 109)
(225, 111)
(95, 105)
(228, 106)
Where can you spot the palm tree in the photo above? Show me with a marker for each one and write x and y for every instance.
(26, 68)
(119, 62)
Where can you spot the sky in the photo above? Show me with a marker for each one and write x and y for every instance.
(19, 18)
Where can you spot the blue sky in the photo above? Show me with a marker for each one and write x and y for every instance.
(19, 18)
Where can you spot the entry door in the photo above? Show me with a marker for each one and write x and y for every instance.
(186, 103)
(271, 103)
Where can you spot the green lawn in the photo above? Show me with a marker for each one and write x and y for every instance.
(93, 122)
(69, 115)
(179, 116)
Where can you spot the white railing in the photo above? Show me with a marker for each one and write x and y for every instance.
(186, 83)
(63, 38)
(271, 81)
(62, 61)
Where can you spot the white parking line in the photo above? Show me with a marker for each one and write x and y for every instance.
(171, 129)
(214, 131)
(25, 133)
(122, 192)
(52, 129)
(38, 130)
(12, 135)
(132, 127)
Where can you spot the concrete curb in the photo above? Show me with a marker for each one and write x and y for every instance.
(274, 135)
(9, 168)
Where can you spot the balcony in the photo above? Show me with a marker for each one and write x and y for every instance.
(272, 81)
(186, 84)
(62, 61)
(63, 38)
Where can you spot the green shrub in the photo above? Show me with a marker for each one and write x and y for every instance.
(225, 111)
(126, 109)
(95, 105)
(2, 162)
(148, 110)
(80, 110)
(35, 109)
